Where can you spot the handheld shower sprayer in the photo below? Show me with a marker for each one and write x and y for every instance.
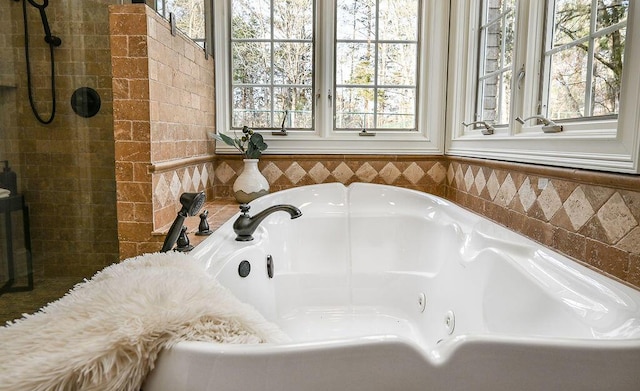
(191, 204)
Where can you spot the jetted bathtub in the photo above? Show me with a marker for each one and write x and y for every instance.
(383, 288)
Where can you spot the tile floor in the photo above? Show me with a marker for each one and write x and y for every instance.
(45, 290)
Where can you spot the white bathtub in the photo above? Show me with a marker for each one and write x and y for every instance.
(383, 288)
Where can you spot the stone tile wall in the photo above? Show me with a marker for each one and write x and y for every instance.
(163, 108)
(65, 169)
(283, 172)
(589, 216)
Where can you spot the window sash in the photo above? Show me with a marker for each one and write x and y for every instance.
(598, 143)
(376, 86)
(502, 97)
(427, 139)
(275, 122)
(587, 112)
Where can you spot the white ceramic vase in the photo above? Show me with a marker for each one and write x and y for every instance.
(250, 184)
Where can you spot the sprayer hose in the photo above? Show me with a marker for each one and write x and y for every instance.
(53, 75)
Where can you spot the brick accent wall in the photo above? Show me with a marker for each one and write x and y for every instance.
(163, 107)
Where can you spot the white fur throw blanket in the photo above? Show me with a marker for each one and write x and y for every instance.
(106, 333)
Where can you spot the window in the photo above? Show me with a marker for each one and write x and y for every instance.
(189, 16)
(495, 71)
(376, 64)
(566, 62)
(272, 64)
(583, 58)
(326, 71)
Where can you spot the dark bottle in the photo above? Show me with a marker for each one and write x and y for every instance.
(8, 179)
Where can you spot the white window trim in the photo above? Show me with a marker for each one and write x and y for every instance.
(609, 145)
(432, 90)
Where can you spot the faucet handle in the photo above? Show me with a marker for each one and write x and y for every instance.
(244, 208)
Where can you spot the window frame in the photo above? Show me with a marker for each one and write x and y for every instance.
(428, 139)
(603, 144)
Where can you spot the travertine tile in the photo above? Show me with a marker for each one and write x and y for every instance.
(493, 185)
(389, 173)
(366, 172)
(631, 242)
(480, 181)
(437, 172)
(272, 173)
(413, 173)
(468, 179)
(578, 208)
(549, 201)
(224, 172)
(342, 173)
(616, 218)
(295, 173)
(506, 192)
(526, 195)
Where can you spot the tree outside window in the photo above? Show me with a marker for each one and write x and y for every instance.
(584, 58)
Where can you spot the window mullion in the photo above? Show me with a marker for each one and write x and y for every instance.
(588, 93)
(376, 53)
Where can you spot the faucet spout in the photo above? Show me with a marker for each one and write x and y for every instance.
(245, 225)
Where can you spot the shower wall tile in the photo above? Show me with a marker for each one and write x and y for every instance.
(591, 217)
(65, 168)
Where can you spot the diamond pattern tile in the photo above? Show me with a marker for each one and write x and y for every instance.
(175, 185)
(527, 195)
(162, 191)
(319, 173)
(195, 179)
(204, 177)
(506, 192)
(224, 172)
(437, 173)
(342, 173)
(389, 173)
(616, 218)
(295, 173)
(450, 174)
(468, 178)
(413, 173)
(578, 208)
(480, 181)
(459, 177)
(272, 172)
(366, 173)
(186, 180)
(549, 201)
(493, 185)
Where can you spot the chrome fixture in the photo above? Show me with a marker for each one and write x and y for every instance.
(548, 126)
(245, 225)
(488, 129)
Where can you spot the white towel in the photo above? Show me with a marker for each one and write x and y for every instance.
(4, 193)
(106, 333)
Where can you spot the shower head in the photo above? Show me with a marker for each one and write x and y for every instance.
(191, 204)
